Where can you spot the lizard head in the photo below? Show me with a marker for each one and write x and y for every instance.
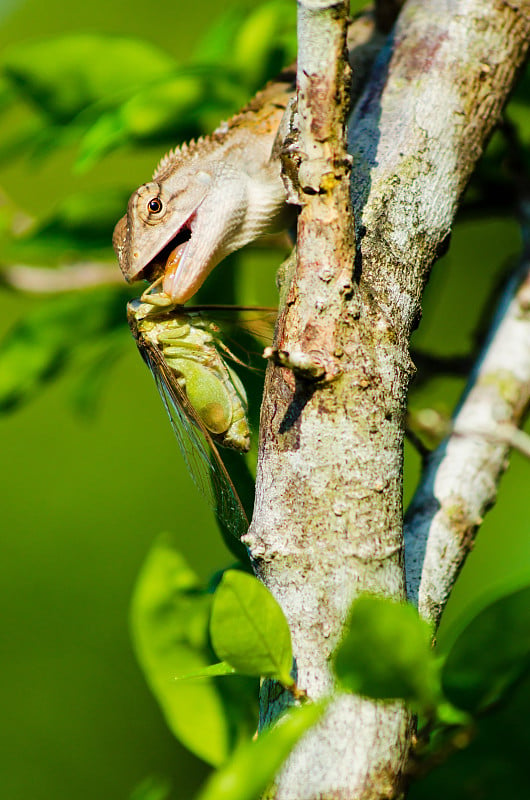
(159, 225)
(194, 212)
(181, 225)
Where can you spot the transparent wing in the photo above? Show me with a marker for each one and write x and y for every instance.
(242, 333)
(198, 449)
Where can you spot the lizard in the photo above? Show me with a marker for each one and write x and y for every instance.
(208, 198)
(212, 196)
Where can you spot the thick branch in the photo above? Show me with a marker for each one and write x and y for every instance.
(327, 523)
(460, 481)
(324, 526)
(417, 132)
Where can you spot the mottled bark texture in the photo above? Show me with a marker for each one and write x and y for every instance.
(460, 480)
(327, 523)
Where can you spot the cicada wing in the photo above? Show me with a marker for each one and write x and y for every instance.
(198, 449)
(242, 332)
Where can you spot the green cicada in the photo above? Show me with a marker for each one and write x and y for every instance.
(204, 397)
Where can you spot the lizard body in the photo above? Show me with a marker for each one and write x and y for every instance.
(208, 198)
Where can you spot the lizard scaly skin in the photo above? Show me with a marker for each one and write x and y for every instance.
(208, 198)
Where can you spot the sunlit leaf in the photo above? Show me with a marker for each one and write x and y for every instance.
(215, 45)
(211, 671)
(386, 654)
(249, 630)
(64, 75)
(265, 42)
(177, 108)
(254, 764)
(491, 654)
(169, 617)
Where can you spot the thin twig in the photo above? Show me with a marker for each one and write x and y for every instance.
(44, 280)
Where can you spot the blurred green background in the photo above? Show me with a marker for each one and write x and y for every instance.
(83, 494)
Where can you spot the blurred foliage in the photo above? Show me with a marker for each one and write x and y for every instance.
(82, 107)
(152, 789)
(386, 654)
(254, 765)
(491, 655)
(170, 617)
(55, 335)
(103, 91)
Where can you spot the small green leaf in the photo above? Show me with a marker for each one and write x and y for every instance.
(249, 630)
(265, 42)
(254, 765)
(491, 654)
(386, 654)
(148, 115)
(215, 46)
(93, 373)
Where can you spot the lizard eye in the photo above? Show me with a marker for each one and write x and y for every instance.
(154, 205)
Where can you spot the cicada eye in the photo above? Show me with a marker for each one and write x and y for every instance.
(154, 205)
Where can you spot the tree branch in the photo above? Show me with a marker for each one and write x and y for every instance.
(327, 522)
(460, 480)
(416, 134)
(44, 280)
(320, 449)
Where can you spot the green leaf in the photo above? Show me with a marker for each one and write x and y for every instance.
(92, 375)
(64, 75)
(249, 630)
(254, 764)
(211, 671)
(215, 46)
(169, 620)
(386, 654)
(167, 109)
(265, 42)
(490, 655)
(51, 336)
(178, 107)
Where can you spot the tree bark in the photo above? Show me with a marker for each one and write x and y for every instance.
(459, 482)
(327, 521)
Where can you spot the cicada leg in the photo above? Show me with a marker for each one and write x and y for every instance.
(160, 299)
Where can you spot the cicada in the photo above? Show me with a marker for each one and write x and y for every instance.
(203, 395)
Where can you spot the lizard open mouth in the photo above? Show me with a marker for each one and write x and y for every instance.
(169, 256)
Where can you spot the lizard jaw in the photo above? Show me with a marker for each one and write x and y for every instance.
(173, 272)
(168, 256)
(186, 266)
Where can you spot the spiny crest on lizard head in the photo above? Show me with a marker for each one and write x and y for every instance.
(175, 156)
(192, 149)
